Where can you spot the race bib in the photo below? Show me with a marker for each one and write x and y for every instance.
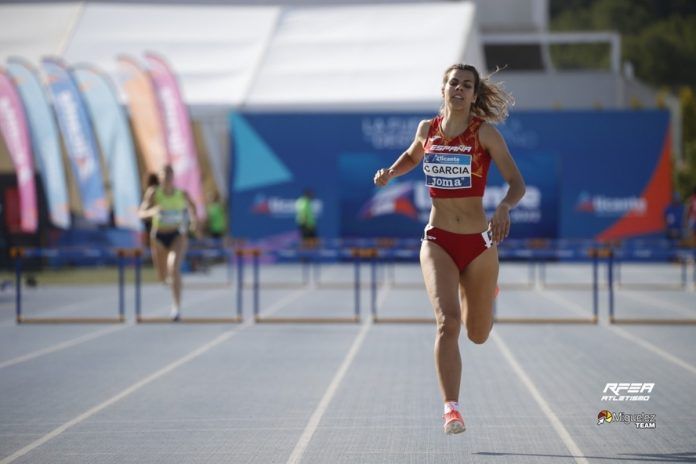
(447, 171)
(171, 218)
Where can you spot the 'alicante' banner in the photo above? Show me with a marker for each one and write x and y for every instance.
(178, 134)
(144, 113)
(14, 130)
(44, 138)
(111, 127)
(79, 140)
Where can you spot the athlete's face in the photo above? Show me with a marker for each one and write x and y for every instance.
(166, 177)
(458, 90)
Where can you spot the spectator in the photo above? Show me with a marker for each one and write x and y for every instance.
(305, 218)
(217, 219)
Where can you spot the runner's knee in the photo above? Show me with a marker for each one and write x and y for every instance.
(478, 335)
(448, 326)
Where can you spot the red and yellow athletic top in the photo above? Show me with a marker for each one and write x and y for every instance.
(457, 167)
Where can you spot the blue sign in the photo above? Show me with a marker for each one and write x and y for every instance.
(571, 162)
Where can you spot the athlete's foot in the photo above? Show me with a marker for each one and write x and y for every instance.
(453, 422)
(174, 313)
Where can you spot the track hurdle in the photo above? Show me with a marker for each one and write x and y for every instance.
(303, 255)
(595, 255)
(622, 257)
(613, 319)
(206, 254)
(358, 255)
(141, 319)
(18, 254)
(566, 251)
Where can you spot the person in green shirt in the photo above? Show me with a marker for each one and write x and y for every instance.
(305, 218)
(217, 220)
(172, 212)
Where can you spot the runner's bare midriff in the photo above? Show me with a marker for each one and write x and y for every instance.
(459, 215)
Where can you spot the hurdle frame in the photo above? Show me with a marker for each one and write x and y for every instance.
(637, 321)
(357, 254)
(140, 319)
(682, 285)
(17, 253)
(593, 319)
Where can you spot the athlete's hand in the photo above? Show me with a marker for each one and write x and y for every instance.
(196, 230)
(383, 176)
(500, 223)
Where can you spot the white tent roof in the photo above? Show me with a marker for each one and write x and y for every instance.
(34, 30)
(315, 56)
(213, 49)
(364, 55)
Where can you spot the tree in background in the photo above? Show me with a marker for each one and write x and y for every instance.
(659, 40)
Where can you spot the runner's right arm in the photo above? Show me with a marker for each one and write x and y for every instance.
(408, 160)
(148, 208)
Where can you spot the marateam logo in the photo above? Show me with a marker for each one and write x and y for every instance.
(627, 391)
(610, 206)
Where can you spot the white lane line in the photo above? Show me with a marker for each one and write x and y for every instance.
(323, 405)
(69, 308)
(556, 298)
(645, 298)
(133, 388)
(562, 432)
(59, 346)
(147, 380)
(313, 423)
(654, 349)
(90, 336)
(638, 341)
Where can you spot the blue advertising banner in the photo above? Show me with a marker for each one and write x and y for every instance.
(44, 139)
(113, 133)
(559, 154)
(271, 166)
(615, 171)
(79, 140)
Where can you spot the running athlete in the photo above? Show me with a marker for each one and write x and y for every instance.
(170, 209)
(458, 256)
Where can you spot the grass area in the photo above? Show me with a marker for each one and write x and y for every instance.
(83, 275)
